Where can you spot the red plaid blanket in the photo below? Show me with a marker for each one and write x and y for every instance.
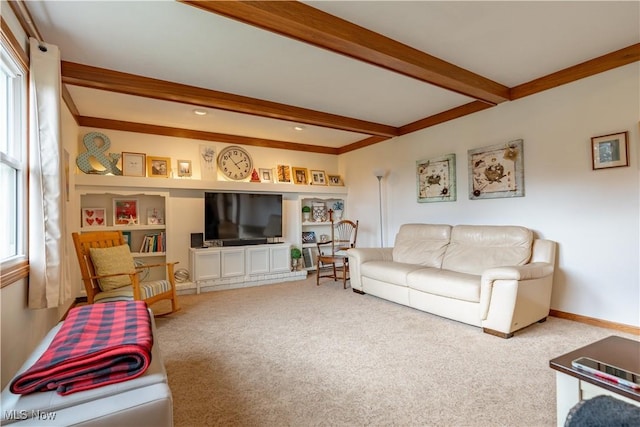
(96, 345)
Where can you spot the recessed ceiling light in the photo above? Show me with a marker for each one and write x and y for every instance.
(298, 128)
(199, 112)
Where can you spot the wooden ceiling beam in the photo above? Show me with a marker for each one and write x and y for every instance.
(307, 24)
(96, 122)
(131, 84)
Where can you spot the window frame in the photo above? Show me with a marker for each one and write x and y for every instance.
(16, 267)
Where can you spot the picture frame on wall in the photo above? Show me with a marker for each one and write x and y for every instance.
(436, 179)
(335, 180)
(125, 212)
(94, 217)
(610, 151)
(134, 164)
(158, 167)
(300, 176)
(283, 174)
(318, 177)
(497, 171)
(266, 175)
(184, 168)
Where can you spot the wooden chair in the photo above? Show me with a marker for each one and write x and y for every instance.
(150, 292)
(333, 253)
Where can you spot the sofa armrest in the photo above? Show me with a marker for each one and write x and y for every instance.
(358, 256)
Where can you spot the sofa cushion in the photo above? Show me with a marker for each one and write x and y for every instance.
(422, 244)
(451, 284)
(113, 260)
(475, 248)
(388, 271)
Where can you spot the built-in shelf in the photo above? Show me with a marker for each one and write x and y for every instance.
(136, 182)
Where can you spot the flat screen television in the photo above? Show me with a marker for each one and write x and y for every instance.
(237, 218)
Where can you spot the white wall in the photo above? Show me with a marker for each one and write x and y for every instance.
(593, 215)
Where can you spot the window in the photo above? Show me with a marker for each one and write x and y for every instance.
(13, 161)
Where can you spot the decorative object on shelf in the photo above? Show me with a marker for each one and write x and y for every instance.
(155, 216)
(158, 167)
(335, 180)
(207, 163)
(497, 171)
(134, 164)
(127, 238)
(338, 208)
(296, 254)
(318, 177)
(306, 213)
(324, 238)
(610, 151)
(97, 145)
(283, 174)
(436, 179)
(184, 168)
(266, 175)
(308, 237)
(235, 163)
(181, 275)
(309, 257)
(319, 211)
(254, 176)
(300, 176)
(94, 217)
(125, 212)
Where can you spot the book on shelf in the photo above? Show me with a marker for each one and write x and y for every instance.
(153, 243)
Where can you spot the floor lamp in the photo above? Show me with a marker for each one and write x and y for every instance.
(380, 174)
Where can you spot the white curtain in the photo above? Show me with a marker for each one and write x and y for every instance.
(46, 216)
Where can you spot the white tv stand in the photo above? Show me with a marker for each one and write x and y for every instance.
(230, 267)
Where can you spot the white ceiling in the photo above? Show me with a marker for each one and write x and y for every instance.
(508, 42)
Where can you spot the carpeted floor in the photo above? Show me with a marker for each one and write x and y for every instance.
(295, 354)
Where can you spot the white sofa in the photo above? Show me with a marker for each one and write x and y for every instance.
(496, 277)
(140, 402)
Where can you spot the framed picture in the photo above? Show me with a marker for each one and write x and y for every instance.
(335, 180)
(158, 167)
(318, 177)
(134, 164)
(300, 176)
(283, 174)
(497, 171)
(127, 238)
(610, 151)
(155, 216)
(436, 179)
(208, 168)
(125, 212)
(184, 168)
(310, 257)
(94, 217)
(308, 237)
(266, 175)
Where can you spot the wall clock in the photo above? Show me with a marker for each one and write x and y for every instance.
(235, 163)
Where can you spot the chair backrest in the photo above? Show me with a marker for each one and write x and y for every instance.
(343, 235)
(93, 239)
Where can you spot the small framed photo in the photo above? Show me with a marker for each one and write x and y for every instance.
(266, 175)
(125, 212)
(300, 176)
(94, 217)
(127, 238)
(318, 177)
(335, 180)
(283, 174)
(184, 167)
(308, 237)
(158, 167)
(134, 164)
(610, 151)
(155, 216)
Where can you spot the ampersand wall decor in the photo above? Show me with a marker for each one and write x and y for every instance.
(97, 150)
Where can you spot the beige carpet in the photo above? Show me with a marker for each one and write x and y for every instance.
(294, 354)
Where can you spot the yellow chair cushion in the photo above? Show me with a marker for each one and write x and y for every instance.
(113, 260)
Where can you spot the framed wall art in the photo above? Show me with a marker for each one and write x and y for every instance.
(125, 212)
(335, 180)
(158, 167)
(300, 176)
(184, 168)
(283, 174)
(134, 164)
(436, 179)
(497, 171)
(94, 217)
(318, 177)
(266, 175)
(610, 151)
(208, 167)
